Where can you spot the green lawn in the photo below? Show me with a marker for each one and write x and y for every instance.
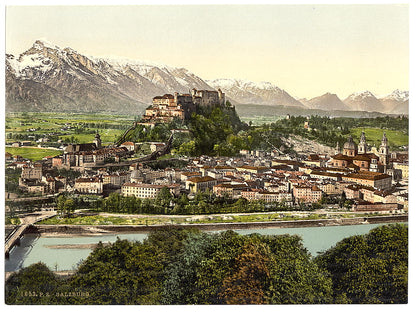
(32, 153)
(260, 120)
(374, 135)
(153, 220)
(107, 136)
(107, 125)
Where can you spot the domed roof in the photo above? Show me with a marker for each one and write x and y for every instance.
(135, 174)
(350, 144)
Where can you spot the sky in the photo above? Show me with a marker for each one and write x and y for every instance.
(307, 50)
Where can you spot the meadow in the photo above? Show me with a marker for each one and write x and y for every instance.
(260, 120)
(32, 153)
(373, 136)
(200, 219)
(68, 127)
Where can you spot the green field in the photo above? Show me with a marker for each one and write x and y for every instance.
(32, 153)
(260, 120)
(163, 220)
(107, 136)
(69, 127)
(374, 135)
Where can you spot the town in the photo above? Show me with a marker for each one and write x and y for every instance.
(357, 177)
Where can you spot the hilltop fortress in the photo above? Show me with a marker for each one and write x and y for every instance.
(165, 108)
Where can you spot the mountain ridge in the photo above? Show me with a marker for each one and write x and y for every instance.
(47, 77)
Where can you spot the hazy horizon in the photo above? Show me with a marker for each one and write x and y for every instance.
(307, 50)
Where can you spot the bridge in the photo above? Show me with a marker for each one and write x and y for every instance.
(14, 237)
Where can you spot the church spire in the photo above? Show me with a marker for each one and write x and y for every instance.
(384, 150)
(362, 146)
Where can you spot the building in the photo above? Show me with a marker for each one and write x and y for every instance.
(167, 107)
(313, 160)
(307, 194)
(324, 175)
(116, 180)
(32, 171)
(141, 190)
(157, 147)
(130, 146)
(350, 148)
(384, 151)
(374, 179)
(362, 158)
(228, 189)
(362, 146)
(252, 169)
(266, 196)
(189, 174)
(89, 185)
(94, 157)
(202, 184)
(403, 167)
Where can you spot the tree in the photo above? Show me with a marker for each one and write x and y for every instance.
(370, 268)
(69, 206)
(35, 284)
(187, 148)
(60, 204)
(245, 284)
(294, 278)
(164, 197)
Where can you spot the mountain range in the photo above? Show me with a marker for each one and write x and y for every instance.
(49, 78)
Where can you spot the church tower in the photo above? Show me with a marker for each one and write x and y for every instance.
(337, 149)
(384, 150)
(362, 146)
(97, 140)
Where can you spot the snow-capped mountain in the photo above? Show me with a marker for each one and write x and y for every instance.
(49, 78)
(328, 102)
(249, 92)
(364, 101)
(46, 77)
(397, 102)
(170, 79)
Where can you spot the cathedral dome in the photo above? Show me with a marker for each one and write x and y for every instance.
(350, 144)
(136, 174)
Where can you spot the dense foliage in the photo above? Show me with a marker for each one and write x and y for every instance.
(210, 129)
(370, 268)
(12, 180)
(326, 130)
(201, 203)
(178, 266)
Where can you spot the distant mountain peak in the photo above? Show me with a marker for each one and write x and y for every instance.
(250, 92)
(49, 77)
(327, 101)
(398, 95)
(43, 43)
(364, 101)
(362, 95)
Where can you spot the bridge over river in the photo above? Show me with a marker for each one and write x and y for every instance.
(14, 237)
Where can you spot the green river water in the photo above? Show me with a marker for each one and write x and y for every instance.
(34, 248)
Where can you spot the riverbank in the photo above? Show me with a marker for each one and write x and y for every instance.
(91, 230)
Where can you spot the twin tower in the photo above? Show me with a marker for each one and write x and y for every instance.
(352, 150)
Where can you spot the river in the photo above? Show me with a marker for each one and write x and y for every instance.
(34, 248)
